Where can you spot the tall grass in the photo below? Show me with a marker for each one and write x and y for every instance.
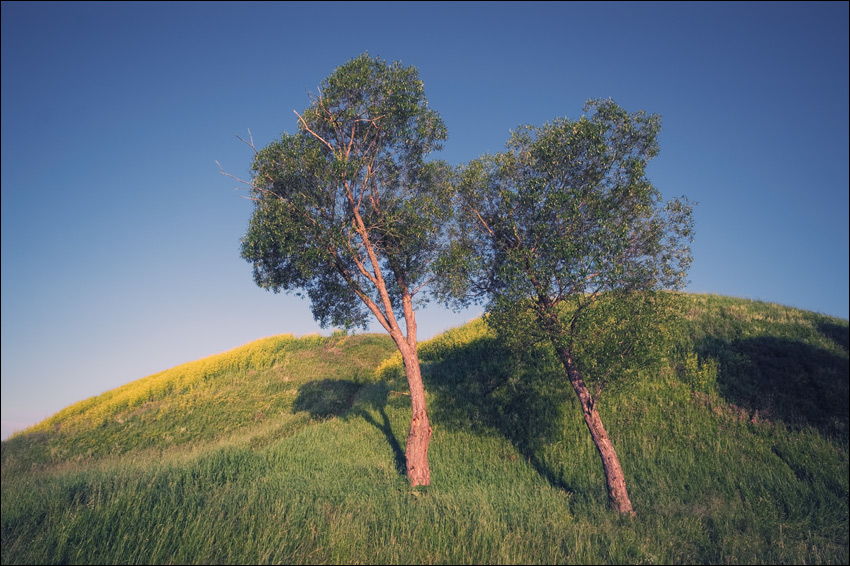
(714, 478)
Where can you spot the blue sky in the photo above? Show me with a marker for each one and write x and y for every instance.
(120, 237)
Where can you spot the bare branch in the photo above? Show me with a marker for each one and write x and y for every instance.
(483, 223)
(317, 136)
(240, 181)
(248, 143)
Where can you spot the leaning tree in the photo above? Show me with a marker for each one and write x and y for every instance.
(567, 242)
(349, 211)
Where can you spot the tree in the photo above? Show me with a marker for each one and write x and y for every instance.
(567, 241)
(349, 211)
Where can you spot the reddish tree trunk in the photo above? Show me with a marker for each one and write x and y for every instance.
(419, 435)
(615, 480)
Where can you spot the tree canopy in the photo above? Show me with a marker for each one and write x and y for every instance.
(347, 209)
(568, 212)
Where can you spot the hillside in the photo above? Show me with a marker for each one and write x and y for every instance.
(248, 389)
(290, 450)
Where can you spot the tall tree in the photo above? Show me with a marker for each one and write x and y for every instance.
(349, 211)
(567, 241)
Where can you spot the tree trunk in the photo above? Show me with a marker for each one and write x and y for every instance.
(615, 481)
(419, 435)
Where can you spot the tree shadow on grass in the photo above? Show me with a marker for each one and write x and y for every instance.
(787, 380)
(483, 386)
(835, 332)
(327, 398)
(375, 397)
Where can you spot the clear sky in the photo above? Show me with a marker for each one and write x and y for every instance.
(120, 237)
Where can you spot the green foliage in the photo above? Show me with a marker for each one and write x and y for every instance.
(566, 240)
(568, 211)
(348, 207)
(515, 476)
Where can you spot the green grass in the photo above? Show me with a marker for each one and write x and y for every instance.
(291, 451)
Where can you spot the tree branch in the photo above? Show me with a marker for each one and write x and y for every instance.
(317, 136)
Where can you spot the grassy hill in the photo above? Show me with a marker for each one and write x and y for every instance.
(290, 450)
